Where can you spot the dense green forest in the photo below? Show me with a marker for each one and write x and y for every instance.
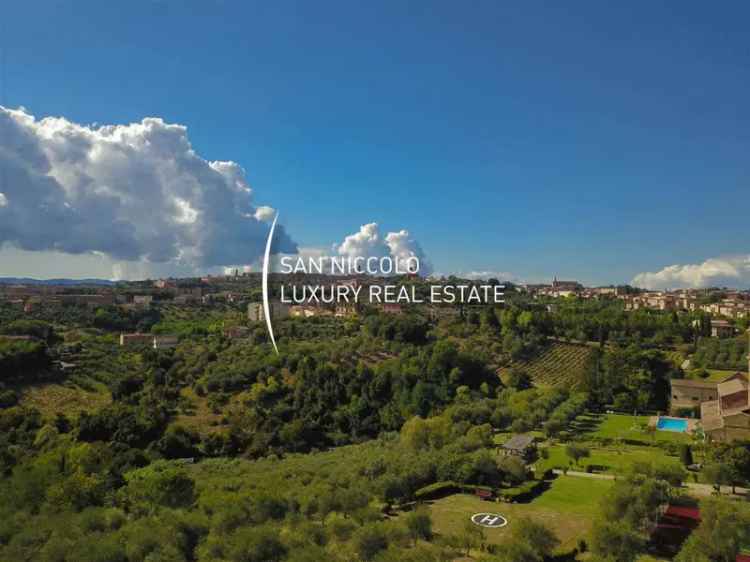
(222, 450)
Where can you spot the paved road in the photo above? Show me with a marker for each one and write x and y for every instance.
(699, 489)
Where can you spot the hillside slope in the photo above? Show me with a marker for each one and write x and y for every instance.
(558, 364)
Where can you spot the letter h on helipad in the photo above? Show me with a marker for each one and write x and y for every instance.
(489, 520)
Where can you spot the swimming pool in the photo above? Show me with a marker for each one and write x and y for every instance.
(672, 424)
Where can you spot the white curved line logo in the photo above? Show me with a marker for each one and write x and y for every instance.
(266, 307)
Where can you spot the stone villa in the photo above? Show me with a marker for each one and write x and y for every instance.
(728, 417)
(724, 405)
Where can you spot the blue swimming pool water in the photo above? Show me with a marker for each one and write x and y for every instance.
(672, 424)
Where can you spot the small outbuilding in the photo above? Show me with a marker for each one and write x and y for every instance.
(484, 494)
(520, 446)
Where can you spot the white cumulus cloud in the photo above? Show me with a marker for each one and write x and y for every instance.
(265, 213)
(732, 271)
(135, 193)
(400, 246)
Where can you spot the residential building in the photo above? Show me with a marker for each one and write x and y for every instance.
(728, 418)
(255, 311)
(721, 329)
(690, 393)
(346, 309)
(143, 300)
(136, 339)
(558, 288)
(185, 299)
(149, 340)
(165, 342)
(519, 446)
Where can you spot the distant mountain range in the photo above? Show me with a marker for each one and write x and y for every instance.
(30, 281)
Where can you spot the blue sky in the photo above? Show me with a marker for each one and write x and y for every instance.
(585, 140)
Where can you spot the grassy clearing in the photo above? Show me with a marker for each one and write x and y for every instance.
(568, 508)
(624, 427)
(198, 415)
(574, 496)
(614, 460)
(53, 398)
(559, 364)
(718, 375)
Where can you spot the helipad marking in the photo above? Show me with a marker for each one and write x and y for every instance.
(491, 520)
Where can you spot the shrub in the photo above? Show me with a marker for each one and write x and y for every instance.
(160, 484)
(370, 541)
(256, 545)
(419, 524)
(522, 492)
(436, 490)
(8, 398)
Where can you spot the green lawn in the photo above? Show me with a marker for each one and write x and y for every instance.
(568, 508)
(621, 426)
(717, 375)
(574, 495)
(617, 460)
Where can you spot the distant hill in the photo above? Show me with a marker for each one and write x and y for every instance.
(30, 281)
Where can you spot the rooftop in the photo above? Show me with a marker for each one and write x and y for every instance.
(519, 442)
(731, 387)
(691, 383)
(711, 415)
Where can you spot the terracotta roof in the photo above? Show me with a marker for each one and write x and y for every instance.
(711, 416)
(731, 387)
(691, 383)
(739, 375)
(684, 512)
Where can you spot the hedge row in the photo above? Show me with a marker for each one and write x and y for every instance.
(441, 489)
(522, 492)
(446, 488)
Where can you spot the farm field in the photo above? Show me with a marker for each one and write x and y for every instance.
(559, 364)
(568, 508)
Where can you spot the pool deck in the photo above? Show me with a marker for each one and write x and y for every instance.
(692, 424)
